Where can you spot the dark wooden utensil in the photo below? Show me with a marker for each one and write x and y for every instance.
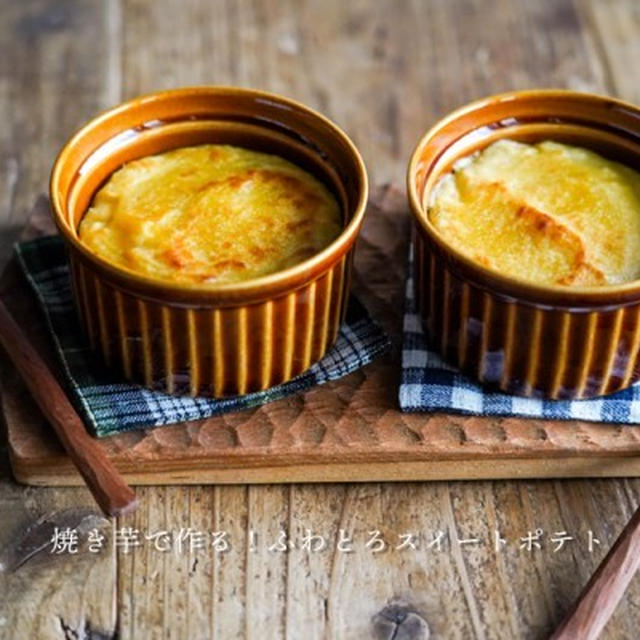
(112, 493)
(606, 587)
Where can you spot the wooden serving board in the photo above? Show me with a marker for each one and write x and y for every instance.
(349, 430)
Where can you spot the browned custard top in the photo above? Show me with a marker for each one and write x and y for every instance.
(210, 214)
(549, 213)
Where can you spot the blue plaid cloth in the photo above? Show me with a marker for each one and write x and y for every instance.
(109, 406)
(430, 384)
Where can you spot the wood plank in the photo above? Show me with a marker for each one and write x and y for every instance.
(349, 430)
(384, 72)
(49, 84)
(47, 595)
(610, 32)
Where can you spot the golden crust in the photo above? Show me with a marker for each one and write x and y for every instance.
(210, 213)
(549, 213)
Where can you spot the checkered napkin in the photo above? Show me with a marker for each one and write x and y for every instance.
(110, 406)
(430, 384)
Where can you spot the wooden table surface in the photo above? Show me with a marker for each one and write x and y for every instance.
(384, 71)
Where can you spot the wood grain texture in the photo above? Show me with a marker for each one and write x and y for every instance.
(48, 86)
(47, 595)
(605, 588)
(384, 71)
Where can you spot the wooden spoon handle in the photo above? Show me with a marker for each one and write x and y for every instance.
(111, 492)
(606, 587)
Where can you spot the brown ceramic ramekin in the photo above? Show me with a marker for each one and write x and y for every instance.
(215, 340)
(541, 341)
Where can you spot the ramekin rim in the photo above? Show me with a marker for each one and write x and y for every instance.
(526, 289)
(300, 273)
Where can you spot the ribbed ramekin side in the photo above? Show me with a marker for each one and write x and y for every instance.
(212, 351)
(523, 348)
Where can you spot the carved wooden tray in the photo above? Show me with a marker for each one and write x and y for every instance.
(350, 430)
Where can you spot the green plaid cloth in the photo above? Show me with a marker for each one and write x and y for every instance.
(109, 405)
